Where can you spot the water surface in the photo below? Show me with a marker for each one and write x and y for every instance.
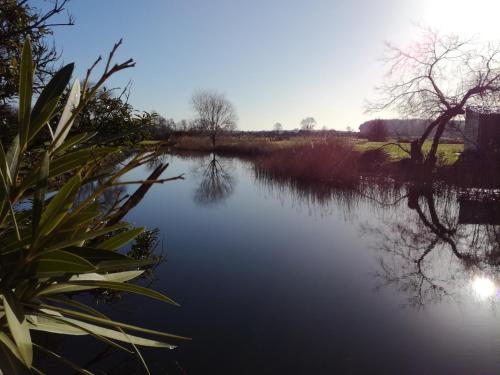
(282, 278)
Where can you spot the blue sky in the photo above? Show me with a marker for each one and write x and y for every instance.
(276, 60)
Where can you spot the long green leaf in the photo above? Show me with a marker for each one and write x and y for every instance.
(78, 219)
(96, 256)
(76, 224)
(116, 335)
(18, 326)
(69, 162)
(64, 125)
(25, 92)
(59, 288)
(117, 277)
(13, 156)
(47, 322)
(4, 187)
(94, 312)
(109, 261)
(74, 140)
(76, 159)
(125, 264)
(104, 321)
(48, 99)
(59, 205)
(77, 240)
(40, 191)
(4, 167)
(64, 325)
(58, 263)
(125, 287)
(120, 239)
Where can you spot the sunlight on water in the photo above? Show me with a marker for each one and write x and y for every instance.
(483, 287)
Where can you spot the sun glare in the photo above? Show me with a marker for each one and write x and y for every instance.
(483, 287)
(464, 17)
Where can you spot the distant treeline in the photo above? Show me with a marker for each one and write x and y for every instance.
(163, 132)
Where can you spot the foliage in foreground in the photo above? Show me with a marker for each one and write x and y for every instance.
(52, 247)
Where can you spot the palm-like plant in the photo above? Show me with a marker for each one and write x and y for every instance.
(52, 247)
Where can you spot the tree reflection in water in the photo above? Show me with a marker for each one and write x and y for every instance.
(217, 183)
(430, 254)
(430, 241)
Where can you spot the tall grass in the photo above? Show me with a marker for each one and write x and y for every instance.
(334, 162)
(331, 161)
(340, 161)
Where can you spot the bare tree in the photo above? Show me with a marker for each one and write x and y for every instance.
(435, 79)
(278, 127)
(215, 114)
(308, 124)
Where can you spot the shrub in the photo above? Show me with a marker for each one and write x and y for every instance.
(51, 247)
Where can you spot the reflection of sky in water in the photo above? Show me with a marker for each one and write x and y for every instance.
(286, 281)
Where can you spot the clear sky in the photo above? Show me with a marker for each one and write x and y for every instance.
(276, 60)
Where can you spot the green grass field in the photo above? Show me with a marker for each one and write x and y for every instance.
(448, 153)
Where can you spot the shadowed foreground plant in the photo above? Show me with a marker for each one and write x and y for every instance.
(51, 248)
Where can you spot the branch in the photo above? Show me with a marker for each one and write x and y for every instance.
(40, 22)
(149, 182)
(395, 144)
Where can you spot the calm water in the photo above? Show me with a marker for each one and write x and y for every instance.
(282, 279)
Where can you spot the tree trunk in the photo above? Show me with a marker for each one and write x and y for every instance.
(430, 160)
(213, 142)
(416, 153)
(137, 196)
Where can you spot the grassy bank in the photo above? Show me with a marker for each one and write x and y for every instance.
(260, 146)
(333, 161)
(339, 161)
(240, 146)
(448, 153)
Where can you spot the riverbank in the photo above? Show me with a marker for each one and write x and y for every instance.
(338, 161)
(252, 146)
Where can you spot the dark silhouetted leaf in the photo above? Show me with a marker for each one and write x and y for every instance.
(48, 99)
(57, 263)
